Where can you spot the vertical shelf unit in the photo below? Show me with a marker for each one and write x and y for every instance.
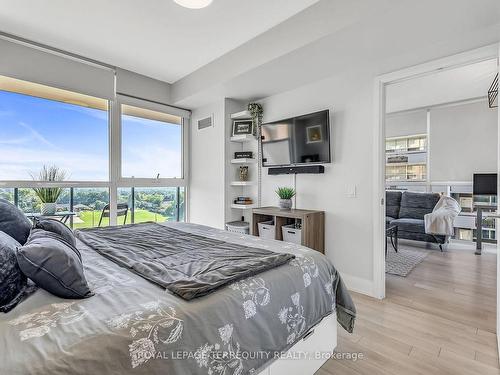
(234, 187)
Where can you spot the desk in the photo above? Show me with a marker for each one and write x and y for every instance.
(62, 216)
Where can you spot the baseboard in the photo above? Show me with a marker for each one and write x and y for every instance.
(359, 285)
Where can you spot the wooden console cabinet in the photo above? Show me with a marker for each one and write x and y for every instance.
(312, 222)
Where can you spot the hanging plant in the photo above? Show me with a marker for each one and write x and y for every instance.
(257, 113)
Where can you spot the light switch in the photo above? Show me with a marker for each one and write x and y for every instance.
(350, 191)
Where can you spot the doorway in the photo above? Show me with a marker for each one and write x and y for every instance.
(382, 86)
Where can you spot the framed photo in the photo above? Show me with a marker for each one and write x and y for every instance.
(242, 127)
(314, 134)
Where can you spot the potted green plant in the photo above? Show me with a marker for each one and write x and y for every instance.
(49, 195)
(286, 194)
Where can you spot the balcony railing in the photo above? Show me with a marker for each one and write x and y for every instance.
(144, 204)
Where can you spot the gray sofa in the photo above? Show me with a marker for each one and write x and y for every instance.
(406, 210)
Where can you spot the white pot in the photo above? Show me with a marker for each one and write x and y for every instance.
(48, 208)
(285, 204)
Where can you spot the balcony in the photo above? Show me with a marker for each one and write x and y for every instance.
(144, 204)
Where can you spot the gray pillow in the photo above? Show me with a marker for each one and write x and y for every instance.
(14, 222)
(54, 265)
(55, 226)
(13, 283)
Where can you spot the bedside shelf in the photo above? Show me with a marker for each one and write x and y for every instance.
(243, 138)
(243, 206)
(243, 161)
(312, 233)
(242, 183)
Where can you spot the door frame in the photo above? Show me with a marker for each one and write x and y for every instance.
(381, 82)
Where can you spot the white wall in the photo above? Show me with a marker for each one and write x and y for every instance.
(348, 220)
(406, 123)
(463, 141)
(206, 193)
(338, 72)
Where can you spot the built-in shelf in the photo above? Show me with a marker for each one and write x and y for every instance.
(242, 183)
(243, 115)
(243, 138)
(243, 206)
(243, 161)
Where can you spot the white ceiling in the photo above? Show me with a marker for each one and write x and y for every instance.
(157, 38)
(339, 38)
(467, 82)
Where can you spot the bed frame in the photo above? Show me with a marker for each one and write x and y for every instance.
(321, 339)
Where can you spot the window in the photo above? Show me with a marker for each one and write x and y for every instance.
(417, 144)
(416, 172)
(46, 126)
(406, 158)
(152, 204)
(406, 144)
(88, 204)
(151, 144)
(143, 152)
(395, 173)
(405, 172)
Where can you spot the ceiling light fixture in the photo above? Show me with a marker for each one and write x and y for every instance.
(194, 4)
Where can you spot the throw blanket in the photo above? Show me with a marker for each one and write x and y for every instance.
(187, 264)
(440, 220)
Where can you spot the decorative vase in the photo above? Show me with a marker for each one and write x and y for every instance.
(244, 173)
(285, 204)
(48, 209)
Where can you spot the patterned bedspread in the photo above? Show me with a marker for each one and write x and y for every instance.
(132, 326)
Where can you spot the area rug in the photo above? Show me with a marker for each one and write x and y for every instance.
(404, 261)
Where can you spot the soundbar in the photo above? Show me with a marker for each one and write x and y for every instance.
(297, 170)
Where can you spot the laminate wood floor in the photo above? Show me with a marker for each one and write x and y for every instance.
(440, 319)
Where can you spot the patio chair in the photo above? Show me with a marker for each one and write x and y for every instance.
(121, 210)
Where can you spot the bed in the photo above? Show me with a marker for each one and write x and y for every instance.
(283, 320)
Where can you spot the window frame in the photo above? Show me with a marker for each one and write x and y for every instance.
(139, 103)
(115, 178)
(115, 158)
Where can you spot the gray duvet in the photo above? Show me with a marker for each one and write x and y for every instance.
(186, 264)
(132, 326)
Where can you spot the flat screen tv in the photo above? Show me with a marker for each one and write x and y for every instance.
(297, 141)
(484, 184)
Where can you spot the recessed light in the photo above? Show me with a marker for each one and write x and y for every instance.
(194, 4)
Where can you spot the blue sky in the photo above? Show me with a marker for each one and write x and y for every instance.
(35, 131)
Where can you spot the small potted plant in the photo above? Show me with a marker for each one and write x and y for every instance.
(49, 195)
(286, 194)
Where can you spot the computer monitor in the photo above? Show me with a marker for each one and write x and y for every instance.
(484, 184)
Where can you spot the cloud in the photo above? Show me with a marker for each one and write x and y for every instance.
(17, 163)
(36, 135)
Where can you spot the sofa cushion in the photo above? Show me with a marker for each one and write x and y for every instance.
(14, 222)
(54, 265)
(416, 205)
(392, 203)
(13, 283)
(55, 226)
(409, 225)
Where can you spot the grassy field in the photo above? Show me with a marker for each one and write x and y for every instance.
(88, 219)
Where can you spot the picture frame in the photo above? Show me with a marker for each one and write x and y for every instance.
(242, 127)
(314, 134)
